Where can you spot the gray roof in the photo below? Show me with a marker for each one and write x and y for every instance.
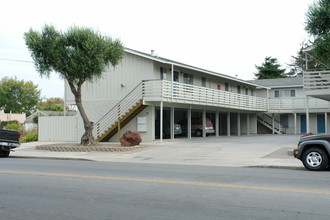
(168, 61)
(280, 82)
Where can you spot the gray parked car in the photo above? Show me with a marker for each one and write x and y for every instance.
(167, 129)
(197, 126)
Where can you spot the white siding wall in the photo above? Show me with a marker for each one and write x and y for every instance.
(148, 112)
(58, 128)
(116, 83)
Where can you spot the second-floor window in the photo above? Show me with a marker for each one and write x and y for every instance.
(188, 78)
(285, 93)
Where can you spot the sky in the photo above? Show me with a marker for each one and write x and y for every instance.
(224, 36)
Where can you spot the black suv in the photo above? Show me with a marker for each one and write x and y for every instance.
(313, 151)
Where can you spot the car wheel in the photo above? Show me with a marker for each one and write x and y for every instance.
(315, 159)
(4, 153)
(198, 133)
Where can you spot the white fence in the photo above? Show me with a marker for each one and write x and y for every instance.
(58, 128)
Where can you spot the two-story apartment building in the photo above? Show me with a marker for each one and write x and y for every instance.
(146, 93)
(292, 109)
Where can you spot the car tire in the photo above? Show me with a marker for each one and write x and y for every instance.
(4, 153)
(198, 133)
(315, 159)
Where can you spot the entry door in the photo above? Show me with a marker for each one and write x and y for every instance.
(176, 76)
(303, 124)
(321, 123)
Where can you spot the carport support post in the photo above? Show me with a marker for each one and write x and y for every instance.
(228, 123)
(326, 122)
(189, 123)
(172, 123)
(307, 115)
(248, 123)
(238, 124)
(273, 124)
(217, 124)
(161, 122)
(295, 122)
(204, 123)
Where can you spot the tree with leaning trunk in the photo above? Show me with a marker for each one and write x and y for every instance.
(77, 55)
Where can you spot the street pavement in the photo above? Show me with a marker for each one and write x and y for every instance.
(229, 151)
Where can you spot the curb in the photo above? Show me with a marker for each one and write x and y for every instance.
(50, 158)
(278, 167)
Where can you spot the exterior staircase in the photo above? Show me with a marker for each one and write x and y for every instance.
(267, 121)
(120, 114)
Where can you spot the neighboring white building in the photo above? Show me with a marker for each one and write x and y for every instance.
(289, 105)
(145, 91)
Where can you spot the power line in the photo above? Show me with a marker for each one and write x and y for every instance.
(21, 61)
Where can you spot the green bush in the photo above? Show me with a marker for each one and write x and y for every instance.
(30, 137)
(13, 126)
(3, 124)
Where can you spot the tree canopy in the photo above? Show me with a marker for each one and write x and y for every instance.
(51, 104)
(78, 55)
(270, 69)
(18, 96)
(318, 25)
(298, 62)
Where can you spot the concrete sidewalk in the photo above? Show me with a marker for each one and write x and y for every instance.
(233, 151)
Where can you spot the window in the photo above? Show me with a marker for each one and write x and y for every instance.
(246, 91)
(284, 93)
(187, 78)
(203, 81)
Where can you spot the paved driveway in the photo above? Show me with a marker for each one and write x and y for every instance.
(253, 150)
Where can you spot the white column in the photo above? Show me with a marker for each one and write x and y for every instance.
(189, 123)
(204, 123)
(217, 124)
(295, 122)
(307, 114)
(172, 79)
(248, 123)
(228, 123)
(273, 123)
(172, 123)
(161, 122)
(239, 124)
(326, 122)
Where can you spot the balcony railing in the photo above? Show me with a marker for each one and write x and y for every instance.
(168, 91)
(316, 80)
(297, 105)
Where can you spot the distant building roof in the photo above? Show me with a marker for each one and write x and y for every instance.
(280, 82)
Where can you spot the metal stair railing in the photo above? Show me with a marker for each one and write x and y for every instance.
(118, 110)
(267, 121)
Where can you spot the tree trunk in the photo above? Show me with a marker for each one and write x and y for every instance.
(87, 138)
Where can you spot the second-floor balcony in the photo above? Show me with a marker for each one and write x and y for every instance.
(298, 105)
(174, 92)
(317, 84)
